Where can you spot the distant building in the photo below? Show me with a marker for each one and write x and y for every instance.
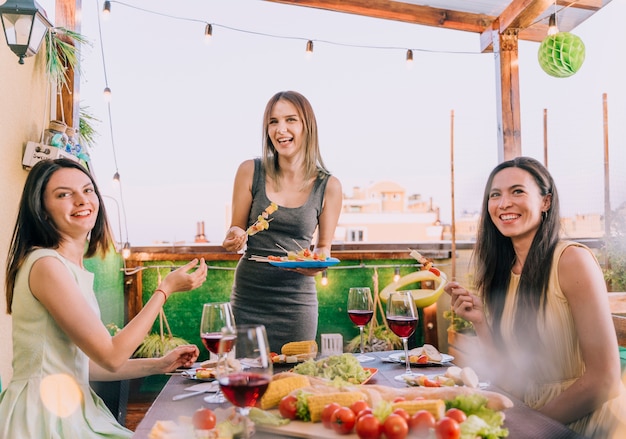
(383, 213)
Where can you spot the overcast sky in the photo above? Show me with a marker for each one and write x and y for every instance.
(185, 114)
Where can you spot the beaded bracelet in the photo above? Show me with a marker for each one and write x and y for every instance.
(164, 294)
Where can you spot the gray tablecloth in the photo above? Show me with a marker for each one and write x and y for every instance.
(522, 422)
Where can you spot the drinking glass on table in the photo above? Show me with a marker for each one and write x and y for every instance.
(360, 311)
(245, 381)
(402, 318)
(215, 317)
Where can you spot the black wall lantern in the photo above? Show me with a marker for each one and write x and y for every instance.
(25, 25)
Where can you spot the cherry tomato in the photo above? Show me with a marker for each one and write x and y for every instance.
(367, 411)
(457, 414)
(399, 399)
(368, 426)
(403, 413)
(357, 406)
(342, 420)
(435, 271)
(204, 419)
(431, 383)
(395, 427)
(421, 423)
(447, 428)
(328, 412)
(422, 359)
(288, 407)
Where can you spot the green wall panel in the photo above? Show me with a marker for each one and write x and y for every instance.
(183, 310)
(109, 286)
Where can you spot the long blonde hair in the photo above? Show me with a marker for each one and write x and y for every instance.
(313, 164)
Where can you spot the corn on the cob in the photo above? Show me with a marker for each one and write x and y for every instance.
(299, 347)
(435, 406)
(317, 403)
(279, 388)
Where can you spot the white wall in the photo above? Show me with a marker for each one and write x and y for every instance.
(22, 105)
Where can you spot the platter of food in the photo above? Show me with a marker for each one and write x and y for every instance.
(199, 374)
(416, 360)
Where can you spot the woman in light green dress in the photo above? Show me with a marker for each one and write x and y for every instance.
(59, 341)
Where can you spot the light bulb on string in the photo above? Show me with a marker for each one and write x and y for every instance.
(396, 274)
(106, 10)
(552, 27)
(309, 49)
(208, 33)
(409, 58)
(324, 277)
(126, 250)
(107, 94)
(116, 178)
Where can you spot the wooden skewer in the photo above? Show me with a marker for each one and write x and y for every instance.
(282, 248)
(297, 244)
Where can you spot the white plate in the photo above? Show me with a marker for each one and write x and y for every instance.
(398, 357)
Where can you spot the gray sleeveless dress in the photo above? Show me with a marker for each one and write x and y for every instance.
(282, 300)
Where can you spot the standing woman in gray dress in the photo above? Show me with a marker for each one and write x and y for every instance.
(292, 175)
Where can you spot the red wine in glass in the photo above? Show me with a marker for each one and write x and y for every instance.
(211, 342)
(402, 319)
(361, 310)
(403, 327)
(244, 389)
(360, 317)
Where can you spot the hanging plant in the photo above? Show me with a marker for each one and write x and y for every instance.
(62, 53)
(86, 132)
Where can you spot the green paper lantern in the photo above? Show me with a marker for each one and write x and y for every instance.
(561, 55)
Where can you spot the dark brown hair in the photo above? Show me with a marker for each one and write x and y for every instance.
(494, 256)
(33, 227)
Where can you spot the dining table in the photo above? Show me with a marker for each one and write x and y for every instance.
(521, 421)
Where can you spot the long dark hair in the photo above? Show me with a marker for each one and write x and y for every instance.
(313, 163)
(494, 257)
(33, 227)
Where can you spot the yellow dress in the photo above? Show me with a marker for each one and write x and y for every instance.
(561, 360)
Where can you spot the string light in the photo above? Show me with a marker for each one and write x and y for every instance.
(106, 10)
(552, 28)
(409, 56)
(116, 178)
(126, 251)
(309, 49)
(107, 94)
(325, 277)
(208, 33)
(396, 275)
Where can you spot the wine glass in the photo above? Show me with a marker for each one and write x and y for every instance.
(215, 316)
(402, 318)
(360, 311)
(244, 385)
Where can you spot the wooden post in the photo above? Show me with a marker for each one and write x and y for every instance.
(453, 220)
(507, 93)
(607, 197)
(67, 104)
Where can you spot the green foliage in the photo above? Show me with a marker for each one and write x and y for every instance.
(615, 272)
(458, 324)
(61, 53)
(86, 132)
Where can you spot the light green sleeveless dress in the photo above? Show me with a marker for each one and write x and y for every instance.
(561, 362)
(49, 395)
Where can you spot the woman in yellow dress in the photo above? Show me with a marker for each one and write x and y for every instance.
(541, 308)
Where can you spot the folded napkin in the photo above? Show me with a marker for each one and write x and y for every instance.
(203, 387)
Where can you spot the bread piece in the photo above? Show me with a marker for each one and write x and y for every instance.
(469, 377)
(454, 372)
